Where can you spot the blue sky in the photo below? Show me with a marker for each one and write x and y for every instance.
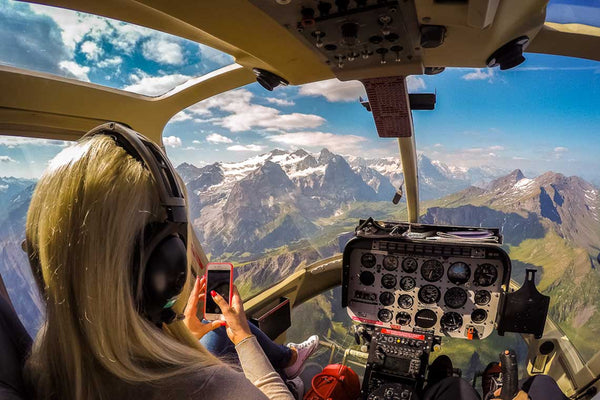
(540, 116)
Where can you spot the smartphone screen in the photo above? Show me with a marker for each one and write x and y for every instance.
(217, 280)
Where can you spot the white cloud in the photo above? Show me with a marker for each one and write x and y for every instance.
(78, 71)
(339, 143)
(180, 116)
(248, 147)
(110, 62)
(154, 85)
(216, 138)
(196, 142)
(561, 149)
(163, 51)
(280, 102)
(91, 50)
(7, 159)
(15, 141)
(496, 148)
(214, 55)
(172, 141)
(243, 115)
(479, 74)
(437, 145)
(335, 90)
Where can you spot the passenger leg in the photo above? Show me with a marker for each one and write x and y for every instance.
(452, 388)
(542, 387)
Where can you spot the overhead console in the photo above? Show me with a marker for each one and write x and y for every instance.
(357, 34)
(451, 285)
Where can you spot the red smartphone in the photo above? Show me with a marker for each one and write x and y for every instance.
(219, 277)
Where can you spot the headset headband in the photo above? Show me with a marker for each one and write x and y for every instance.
(153, 158)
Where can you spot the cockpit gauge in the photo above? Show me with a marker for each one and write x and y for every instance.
(390, 263)
(459, 273)
(385, 315)
(482, 297)
(368, 260)
(410, 265)
(367, 278)
(407, 283)
(451, 321)
(455, 297)
(432, 270)
(403, 318)
(485, 275)
(429, 294)
(388, 281)
(405, 301)
(386, 298)
(479, 315)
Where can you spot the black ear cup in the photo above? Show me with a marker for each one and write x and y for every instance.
(164, 277)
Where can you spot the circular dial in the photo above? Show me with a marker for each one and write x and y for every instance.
(425, 318)
(390, 263)
(407, 283)
(482, 297)
(485, 275)
(432, 270)
(368, 260)
(455, 297)
(459, 273)
(385, 315)
(451, 321)
(405, 301)
(388, 281)
(409, 264)
(386, 298)
(429, 294)
(403, 318)
(478, 315)
(367, 278)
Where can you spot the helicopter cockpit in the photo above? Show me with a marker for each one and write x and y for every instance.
(403, 178)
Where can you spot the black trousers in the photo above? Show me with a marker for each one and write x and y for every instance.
(539, 387)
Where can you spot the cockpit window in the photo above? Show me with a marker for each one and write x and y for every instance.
(100, 50)
(585, 12)
(22, 161)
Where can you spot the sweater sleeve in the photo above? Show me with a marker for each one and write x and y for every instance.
(260, 372)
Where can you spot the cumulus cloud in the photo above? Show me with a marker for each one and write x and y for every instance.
(479, 74)
(280, 102)
(248, 147)
(215, 138)
(91, 50)
(214, 56)
(110, 62)
(16, 141)
(181, 116)
(341, 143)
(496, 148)
(163, 51)
(172, 141)
(335, 90)
(7, 159)
(78, 71)
(243, 115)
(561, 149)
(142, 83)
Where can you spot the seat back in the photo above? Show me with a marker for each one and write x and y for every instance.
(15, 343)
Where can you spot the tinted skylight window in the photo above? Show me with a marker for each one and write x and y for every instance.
(100, 50)
(586, 12)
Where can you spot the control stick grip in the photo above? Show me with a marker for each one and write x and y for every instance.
(510, 375)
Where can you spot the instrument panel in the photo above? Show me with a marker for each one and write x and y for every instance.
(452, 289)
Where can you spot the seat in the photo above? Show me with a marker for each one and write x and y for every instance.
(15, 343)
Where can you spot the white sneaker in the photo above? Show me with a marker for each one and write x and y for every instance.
(304, 350)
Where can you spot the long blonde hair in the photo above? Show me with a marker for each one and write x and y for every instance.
(85, 216)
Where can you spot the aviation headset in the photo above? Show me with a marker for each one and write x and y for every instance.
(159, 269)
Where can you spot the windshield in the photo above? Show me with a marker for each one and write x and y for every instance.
(100, 50)
(281, 179)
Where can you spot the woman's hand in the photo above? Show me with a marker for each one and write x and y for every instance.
(237, 324)
(196, 327)
(520, 396)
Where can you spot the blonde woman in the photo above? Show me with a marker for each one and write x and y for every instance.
(85, 221)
